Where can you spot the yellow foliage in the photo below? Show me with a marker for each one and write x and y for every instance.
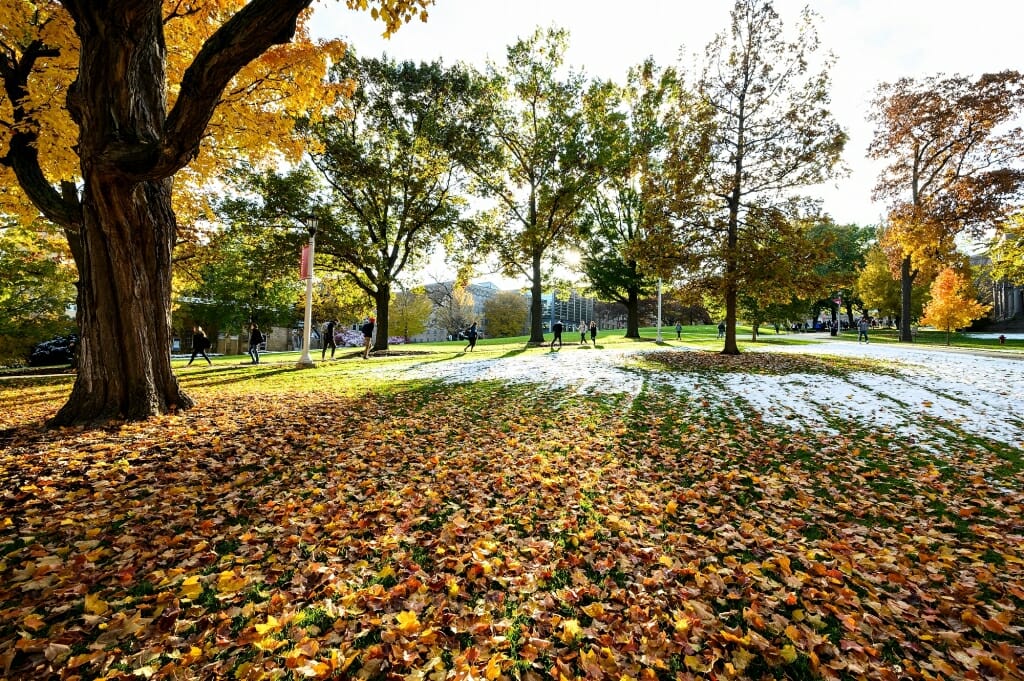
(253, 121)
(953, 305)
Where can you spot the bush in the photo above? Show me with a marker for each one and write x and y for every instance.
(59, 350)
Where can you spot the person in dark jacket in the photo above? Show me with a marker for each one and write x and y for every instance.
(556, 329)
(255, 338)
(471, 336)
(593, 332)
(367, 330)
(199, 344)
(329, 340)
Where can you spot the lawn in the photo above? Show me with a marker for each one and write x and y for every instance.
(346, 522)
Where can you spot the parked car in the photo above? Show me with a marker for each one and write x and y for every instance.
(53, 352)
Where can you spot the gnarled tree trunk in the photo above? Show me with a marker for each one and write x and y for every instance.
(127, 232)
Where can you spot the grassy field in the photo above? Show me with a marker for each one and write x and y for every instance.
(341, 523)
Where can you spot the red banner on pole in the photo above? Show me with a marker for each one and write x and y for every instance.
(304, 263)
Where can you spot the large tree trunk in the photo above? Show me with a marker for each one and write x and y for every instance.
(382, 300)
(536, 320)
(633, 314)
(906, 289)
(128, 228)
(731, 267)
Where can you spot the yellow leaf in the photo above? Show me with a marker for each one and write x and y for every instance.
(408, 622)
(671, 507)
(570, 630)
(493, 669)
(271, 626)
(229, 582)
(94, 605)
(788, 653)
(191, 588)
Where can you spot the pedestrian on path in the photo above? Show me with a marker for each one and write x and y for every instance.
(367, 330)
(721, 329)
(593, 332)
(255, 338)
(199, 344)
(556, 329)
(329, 339)
(471, 335)
(862, 329)
(679, 331)
(583, 332)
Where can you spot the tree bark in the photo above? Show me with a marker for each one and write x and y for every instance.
(382, 299)
(906, 290)
(633, 313)
(128, 228)
(130, 147)
(536, 320)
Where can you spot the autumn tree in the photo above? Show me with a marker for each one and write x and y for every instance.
(954, 166)
(953, 304)
(505, 314)
(409, 313)
(782, 267)
(542, 169)
(138, 87)
(1007, 251)
(773, 133)
(628, 124)
(453, 306)
(393, 158)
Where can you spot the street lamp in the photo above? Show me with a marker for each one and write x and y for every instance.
(305, 362)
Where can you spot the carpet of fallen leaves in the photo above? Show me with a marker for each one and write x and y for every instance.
(769, 364)
(490, 531)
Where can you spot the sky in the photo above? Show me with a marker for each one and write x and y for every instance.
(874, 41)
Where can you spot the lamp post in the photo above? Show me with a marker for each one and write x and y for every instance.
(305, 362)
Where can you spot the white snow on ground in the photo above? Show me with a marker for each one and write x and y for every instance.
(936, 393)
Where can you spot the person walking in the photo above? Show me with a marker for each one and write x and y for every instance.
(329, 339)
(471, 335)
(593, 332)
(556, 329)
(367, 330)
(255, 338)
(583, 332)
(862, 329)
(199, 344)
(679, 331)
(721, 329)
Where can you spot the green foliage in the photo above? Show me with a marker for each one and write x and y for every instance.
(542, 167)
(242, 274)
(36, 289)
(394, 163)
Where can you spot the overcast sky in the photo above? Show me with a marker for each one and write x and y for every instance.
(874, 41)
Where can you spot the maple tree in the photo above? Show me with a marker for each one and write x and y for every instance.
(953, 156)
(542, 167)
(953, 304)
(138, 113)
(774, 133)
